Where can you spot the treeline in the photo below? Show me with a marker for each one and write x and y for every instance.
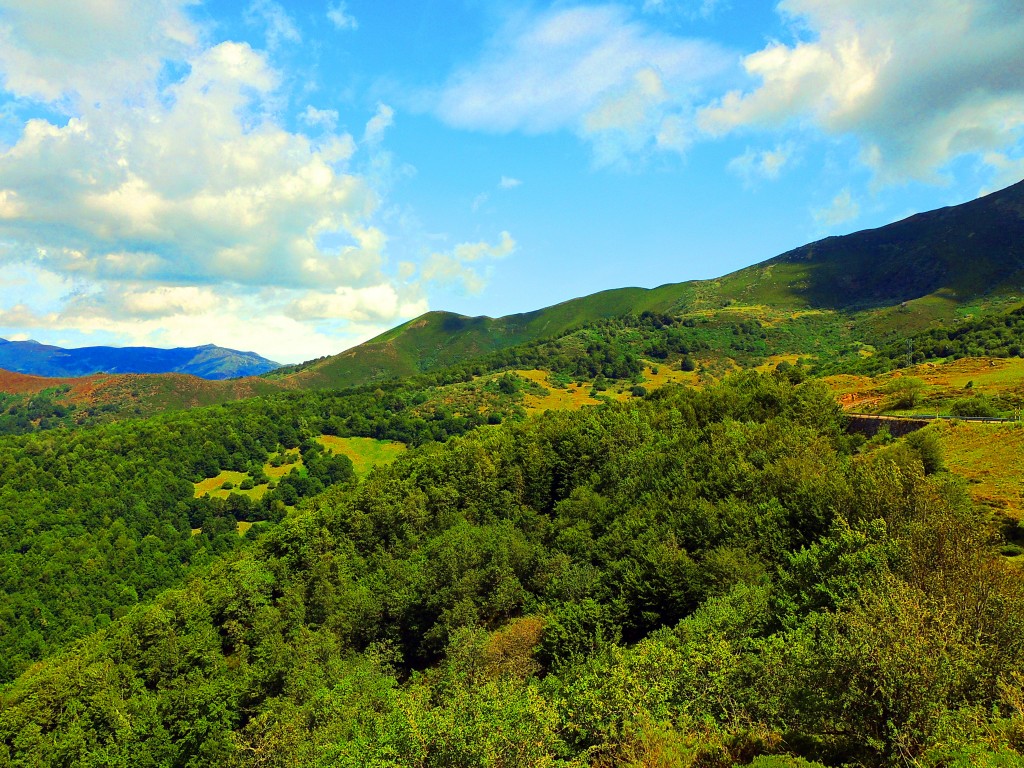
(27, 413)
(614, 348)
(709, 578)
(93, 520)
(1000, 335)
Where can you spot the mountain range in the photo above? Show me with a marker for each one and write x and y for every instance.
(206, 362)
(836, 295)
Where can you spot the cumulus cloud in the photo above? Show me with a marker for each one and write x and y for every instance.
(52, 50)
(200, 188)
(587, 69)
(842, 209)
(919, 83)
(454, 267)
(286, 325)
(375, 303)
(339, 16)
(171, 202)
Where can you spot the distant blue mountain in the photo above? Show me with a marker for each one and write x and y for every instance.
(207, 362)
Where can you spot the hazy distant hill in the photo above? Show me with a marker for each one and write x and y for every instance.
(208, 362)
(942, 259)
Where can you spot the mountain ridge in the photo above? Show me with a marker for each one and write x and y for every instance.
(207, 361)
(941, 259)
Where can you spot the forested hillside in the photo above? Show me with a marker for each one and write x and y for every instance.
(94, 520)
(696, 578)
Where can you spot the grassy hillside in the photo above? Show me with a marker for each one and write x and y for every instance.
(439, 339)
(833, 302)
(898, 279)
(32, 403)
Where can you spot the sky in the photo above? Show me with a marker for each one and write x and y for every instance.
(293, 178)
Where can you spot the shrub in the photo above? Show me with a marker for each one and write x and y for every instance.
(928, 447)
(905, 391)
(978, 405)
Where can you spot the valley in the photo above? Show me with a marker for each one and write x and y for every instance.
(630, 529)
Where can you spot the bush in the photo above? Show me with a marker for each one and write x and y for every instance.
(638, 391)
(928, 447)
(228, 485)
(905, 391)
(247, 484)
(978, 405)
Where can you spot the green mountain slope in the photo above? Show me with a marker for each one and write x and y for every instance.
(437, 339)
(942, 259)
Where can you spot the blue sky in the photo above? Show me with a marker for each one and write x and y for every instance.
(293, 178)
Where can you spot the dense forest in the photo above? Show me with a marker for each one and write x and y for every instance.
(94, 520)
(695, 578)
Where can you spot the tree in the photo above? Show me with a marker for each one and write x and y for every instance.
(905, 391)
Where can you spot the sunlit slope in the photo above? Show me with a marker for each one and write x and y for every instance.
(926, 268)
(437, 339)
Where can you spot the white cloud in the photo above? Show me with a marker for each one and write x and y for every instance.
(587, 69)
(378, 124)
(507, 182)
(768, 164)
(338, 15)
(284, 325)
(842, 209)
(919, 83)
(176, 208)
(276, 22)
(375, 303)
(50, 49)
(325, 118)
(169, 299)
(453, 267)
(1008, 170)
(482, 250)
(201, 188)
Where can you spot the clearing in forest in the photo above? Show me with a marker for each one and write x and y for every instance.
(365, 452)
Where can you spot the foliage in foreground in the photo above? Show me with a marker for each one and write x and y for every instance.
(94, 520)
(702, 579)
